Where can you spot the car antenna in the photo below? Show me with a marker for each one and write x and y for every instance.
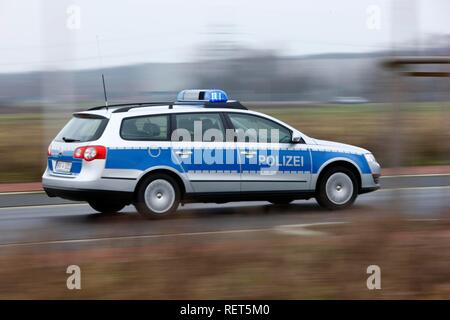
(103, 76)
(104, 91)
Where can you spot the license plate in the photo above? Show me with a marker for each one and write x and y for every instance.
(63, 167)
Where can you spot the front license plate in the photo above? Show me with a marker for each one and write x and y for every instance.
(63, 167)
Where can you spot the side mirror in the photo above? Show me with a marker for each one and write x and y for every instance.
(296, 138)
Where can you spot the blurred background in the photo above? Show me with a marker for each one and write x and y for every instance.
(317, 66)
(369, 73)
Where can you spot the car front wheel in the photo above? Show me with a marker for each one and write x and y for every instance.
(337, 188)
(157, 196)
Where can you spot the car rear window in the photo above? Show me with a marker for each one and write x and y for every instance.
(82, 128)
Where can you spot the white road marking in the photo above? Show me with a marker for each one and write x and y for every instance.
(20, 192)
(415, 175)
(424, 219)
(414, 188)
(45, 206)
(300, 229)
(149, 236)
(286, 229)
(282, 229)
(290, 229)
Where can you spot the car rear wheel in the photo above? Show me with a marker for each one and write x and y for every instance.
(106, 207)
(337, 188)
(158, 196)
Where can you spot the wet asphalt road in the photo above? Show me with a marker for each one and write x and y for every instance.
(33, 218)
(393, 182)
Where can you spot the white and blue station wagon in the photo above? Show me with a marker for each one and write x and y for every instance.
(201, 148)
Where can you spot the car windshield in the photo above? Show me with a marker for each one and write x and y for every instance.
(82, 128)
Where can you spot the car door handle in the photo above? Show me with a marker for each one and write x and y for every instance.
(248, 154)
(183, 153)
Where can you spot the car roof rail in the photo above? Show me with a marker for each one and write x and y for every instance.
(143, 105)
(125, 107)
(130, 104)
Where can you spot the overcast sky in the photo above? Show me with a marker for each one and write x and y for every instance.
(61, 34)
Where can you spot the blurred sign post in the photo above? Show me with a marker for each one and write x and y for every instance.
(400, 66)
(407, 67)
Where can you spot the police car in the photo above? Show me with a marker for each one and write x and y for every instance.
(201, 148)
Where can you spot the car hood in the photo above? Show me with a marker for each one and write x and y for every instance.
(341, 146)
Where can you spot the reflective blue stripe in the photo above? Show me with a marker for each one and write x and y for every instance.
(138, 159)
(143, 159)
(320, 157)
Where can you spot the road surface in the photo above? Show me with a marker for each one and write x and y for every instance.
(30, 219)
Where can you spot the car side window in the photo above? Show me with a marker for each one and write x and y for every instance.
(192, 125)
(152, 128)
(259, 129)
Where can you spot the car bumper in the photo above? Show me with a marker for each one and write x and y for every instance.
(89, 194)
(87, 182)
(369, 182)
(368, 189)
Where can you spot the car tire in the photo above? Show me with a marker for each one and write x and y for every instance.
(157, 196)
(337, 188)
(106, 207)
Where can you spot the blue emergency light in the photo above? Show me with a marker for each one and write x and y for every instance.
(208, 95)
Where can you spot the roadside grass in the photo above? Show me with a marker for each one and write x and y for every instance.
(423, 133)
(413, 257)
(23, 145)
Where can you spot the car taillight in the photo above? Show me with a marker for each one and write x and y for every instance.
(49, 150)
(90, 153)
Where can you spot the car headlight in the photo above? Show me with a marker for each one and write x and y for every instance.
(370, 158)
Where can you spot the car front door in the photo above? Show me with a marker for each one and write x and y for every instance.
(269, 160)
(208, 160)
